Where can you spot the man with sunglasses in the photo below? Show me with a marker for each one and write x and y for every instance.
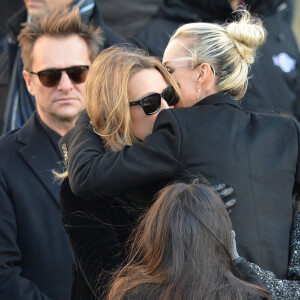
(16, 104)
(35, 259)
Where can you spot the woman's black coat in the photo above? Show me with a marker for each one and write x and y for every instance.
(256, 154)
(97, 231)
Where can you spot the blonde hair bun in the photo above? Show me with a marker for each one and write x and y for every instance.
(247, 34)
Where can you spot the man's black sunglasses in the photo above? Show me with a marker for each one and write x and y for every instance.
(151, 103)
(51, 77)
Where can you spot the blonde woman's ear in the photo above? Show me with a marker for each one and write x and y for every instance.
(206, 81)
(203, 72)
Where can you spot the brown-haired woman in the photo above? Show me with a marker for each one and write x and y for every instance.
(124, 91)
(182, 250)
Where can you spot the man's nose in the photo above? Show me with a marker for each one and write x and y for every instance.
(65, 82)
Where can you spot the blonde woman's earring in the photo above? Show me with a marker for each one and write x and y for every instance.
(199, 91)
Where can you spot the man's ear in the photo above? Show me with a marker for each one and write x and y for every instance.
(29, 82)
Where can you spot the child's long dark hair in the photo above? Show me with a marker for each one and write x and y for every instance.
(181, 250)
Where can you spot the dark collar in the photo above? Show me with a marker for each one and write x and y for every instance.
(35, 129)
(39, 154)
(53, 136)
(218, 99)
(30, 130)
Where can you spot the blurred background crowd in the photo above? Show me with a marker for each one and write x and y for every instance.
(134, 13)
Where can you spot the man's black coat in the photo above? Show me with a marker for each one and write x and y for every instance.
(256, 154)
(35, 258)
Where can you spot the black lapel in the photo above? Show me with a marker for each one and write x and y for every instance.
(39, 155)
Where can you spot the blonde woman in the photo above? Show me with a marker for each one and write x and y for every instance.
(256, 154)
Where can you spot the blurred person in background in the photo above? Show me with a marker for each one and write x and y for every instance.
(288, 11)
(130, 16)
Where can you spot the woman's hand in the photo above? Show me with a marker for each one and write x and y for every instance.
(224, 192)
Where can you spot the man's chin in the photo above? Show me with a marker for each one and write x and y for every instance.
(68, 116)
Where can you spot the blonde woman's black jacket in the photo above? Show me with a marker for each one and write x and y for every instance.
(98, 231)
(256, 154)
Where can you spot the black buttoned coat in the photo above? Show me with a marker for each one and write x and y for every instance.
(256, 154)
(35, 258)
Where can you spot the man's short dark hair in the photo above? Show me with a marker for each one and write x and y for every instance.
(58, 23)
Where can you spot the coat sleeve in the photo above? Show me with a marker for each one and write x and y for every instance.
(12, 284)
(244, 272)
(93, 173)
(279, 288)
(92, 233)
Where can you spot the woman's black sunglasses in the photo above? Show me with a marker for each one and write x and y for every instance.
(51, 77)
(151, 103)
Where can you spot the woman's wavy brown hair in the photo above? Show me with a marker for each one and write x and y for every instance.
(106, 92)
(181, 250)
